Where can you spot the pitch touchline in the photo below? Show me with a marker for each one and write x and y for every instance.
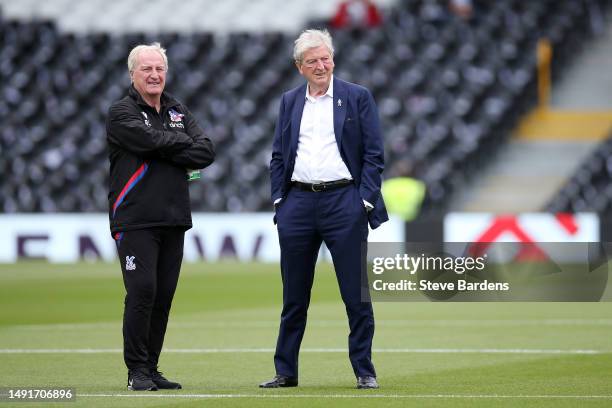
(420, 396)
(309, 350)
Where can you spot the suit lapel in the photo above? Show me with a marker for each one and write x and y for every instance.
(340, 105)
(296, 117)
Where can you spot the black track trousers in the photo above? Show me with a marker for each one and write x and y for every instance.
(150, 261)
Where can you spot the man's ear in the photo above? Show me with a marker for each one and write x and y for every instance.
(298, 66)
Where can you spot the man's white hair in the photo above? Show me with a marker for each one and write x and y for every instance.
(311, 39)
(133, 57)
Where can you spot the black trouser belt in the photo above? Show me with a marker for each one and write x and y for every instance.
(318, 187)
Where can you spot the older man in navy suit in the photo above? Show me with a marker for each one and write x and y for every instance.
(327, 160)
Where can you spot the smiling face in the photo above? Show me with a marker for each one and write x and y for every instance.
(317, 66)
(149, 75)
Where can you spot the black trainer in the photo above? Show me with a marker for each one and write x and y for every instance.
(139, 379)
(162, 382)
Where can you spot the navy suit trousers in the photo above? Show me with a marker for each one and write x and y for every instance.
(306, 219)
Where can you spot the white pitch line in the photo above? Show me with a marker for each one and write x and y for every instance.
(336, 323)
(390, 396)
(312, 350)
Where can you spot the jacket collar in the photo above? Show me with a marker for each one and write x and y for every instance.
(296, 115)
(340, 105)
(166, 100)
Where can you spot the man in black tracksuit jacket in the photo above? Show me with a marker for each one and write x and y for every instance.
(153, 140)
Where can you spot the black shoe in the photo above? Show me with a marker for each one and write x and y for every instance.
(162, 382)
(366, 383)
(139, 379)
(280, 381)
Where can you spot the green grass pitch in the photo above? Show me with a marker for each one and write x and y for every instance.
(223, 329)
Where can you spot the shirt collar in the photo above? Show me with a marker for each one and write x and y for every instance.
(330, 91)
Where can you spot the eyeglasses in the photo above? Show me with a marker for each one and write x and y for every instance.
(312, 63)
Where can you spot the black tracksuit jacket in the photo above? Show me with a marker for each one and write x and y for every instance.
(149, 153)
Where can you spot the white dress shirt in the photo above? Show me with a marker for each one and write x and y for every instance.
(318, 158)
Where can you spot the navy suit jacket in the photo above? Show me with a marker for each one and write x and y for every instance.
(358, 134)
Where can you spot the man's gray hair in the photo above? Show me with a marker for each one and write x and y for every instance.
(131, 62)
(311, 39)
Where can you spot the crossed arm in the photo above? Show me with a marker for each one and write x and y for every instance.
(189, 148)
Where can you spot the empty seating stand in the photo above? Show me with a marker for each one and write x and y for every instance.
(589, 189)
(449, 91)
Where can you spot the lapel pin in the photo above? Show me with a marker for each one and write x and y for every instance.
(339, 102)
